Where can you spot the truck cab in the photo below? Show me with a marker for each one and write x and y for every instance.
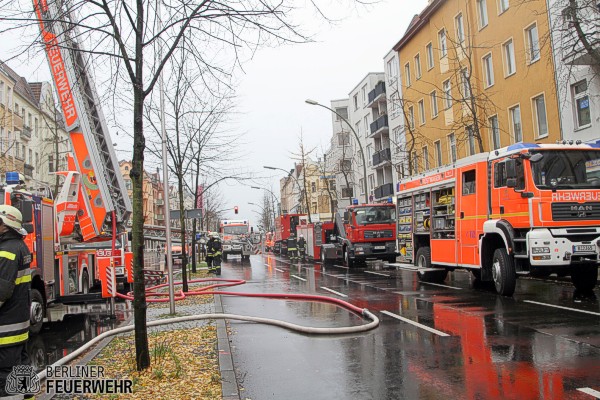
(364, 232)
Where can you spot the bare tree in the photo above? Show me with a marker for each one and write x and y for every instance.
(302, 157)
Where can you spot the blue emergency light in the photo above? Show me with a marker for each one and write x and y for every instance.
(390, 200)
(355, 202)
(12, 178)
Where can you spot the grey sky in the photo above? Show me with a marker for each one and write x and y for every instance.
(274, 84)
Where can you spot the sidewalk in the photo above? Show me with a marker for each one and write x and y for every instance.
(159, 311)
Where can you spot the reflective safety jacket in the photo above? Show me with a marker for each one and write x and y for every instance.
(302, 243)
(15, 283)
(291, 244)
(213, 248)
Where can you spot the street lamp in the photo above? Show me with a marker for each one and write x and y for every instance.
(362, 153)
(274, 200)
(290, 174)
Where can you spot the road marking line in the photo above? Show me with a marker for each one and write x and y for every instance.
(591, 392)
(437, 284)
(377, 273)
(410, 321)
(297, 277)
(561, 307)
(333, 291)
(280, 270)
(340, 266)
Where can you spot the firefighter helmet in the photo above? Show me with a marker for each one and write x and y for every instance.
(12, 218)
(214, 235)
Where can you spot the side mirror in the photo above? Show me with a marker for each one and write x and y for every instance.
(511, 169)
(346, 217)
(28, 227)
(27, 211)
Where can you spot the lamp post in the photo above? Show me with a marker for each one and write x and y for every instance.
(290, 174)
(362, 153)
(273, 202)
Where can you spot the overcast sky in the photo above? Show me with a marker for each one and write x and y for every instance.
(273, 86)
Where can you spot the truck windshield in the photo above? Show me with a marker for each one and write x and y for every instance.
(235, 230)
(375, 215)
(567, 169)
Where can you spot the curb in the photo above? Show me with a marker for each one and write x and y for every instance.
(229, 386)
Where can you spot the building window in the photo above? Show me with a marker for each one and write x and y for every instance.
(343, 138)
(533, 43)
(434, 104)
(357, 127)
(443, 44)
(367, 127)
(407, 74)
(395, 104)
(447, 94)
(429, 56)
(503, 5)
(372, 182)
(50, 163)
(426, 158)
(415, 160)
(471, 140)
(541, 124)
(9, 98)
(355, 98)
(495, 132)
(346, 165)
(341, 112)
(422, 111)
(488, 70)
(465, 84)
(515, 122)
(313, 187)
(314, 207)
(332, 184)
(30, 157)
(418, 66)
(392, 66)
(360, 158)
(370, 154)
(581, 101)
(128, 184)
(452, 147)
(37, 160)
(411, 117)
(1, 92)
(508, 50)
(363, 91)
(361, 183)
(347, 192)
(35, 127)
(482, 13)
(460, 29)
(438, 152)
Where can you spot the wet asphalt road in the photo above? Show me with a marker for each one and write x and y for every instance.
(479, 345)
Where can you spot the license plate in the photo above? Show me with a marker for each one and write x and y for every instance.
(379, 247)
(120, 270)
(584, 248)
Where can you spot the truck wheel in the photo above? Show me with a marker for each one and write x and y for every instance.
(324, 260)
(347, 260)
(584, 277)
(85, 283)
(423, 260)
(36, 318)
(503, 272)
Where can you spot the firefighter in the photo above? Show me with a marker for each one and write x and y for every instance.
(292, 247)
(302, 247)
(213, 252)
(15, 285)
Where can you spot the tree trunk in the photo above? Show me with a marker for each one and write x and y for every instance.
(137, 175)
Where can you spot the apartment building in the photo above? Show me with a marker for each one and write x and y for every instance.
(153, 200)
(370, 123)
(475, 77)
(577, 71)
(11, 124)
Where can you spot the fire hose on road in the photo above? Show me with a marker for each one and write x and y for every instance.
(155, 297)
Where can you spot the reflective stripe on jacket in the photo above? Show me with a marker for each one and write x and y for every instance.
(15, 278)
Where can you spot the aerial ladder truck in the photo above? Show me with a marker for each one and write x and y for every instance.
(83, 230)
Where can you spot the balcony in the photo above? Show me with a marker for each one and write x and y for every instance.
(385, 190)
(382, 156)
(26, 133)
(28, 170)
(377, 95)
(379, 126)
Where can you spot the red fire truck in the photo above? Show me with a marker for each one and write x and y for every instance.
(92, 205)
(365, 232)
(522, 209)
(285, 225)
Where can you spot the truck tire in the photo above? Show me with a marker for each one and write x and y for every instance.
(584, 277)
(503, 272)
(347, 260)
(324, 260)
(37, 311)
(423, 260)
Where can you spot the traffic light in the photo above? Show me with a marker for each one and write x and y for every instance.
(235, 209)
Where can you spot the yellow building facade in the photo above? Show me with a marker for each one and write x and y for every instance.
(477, 75)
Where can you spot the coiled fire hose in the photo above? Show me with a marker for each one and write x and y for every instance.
(155, 297)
